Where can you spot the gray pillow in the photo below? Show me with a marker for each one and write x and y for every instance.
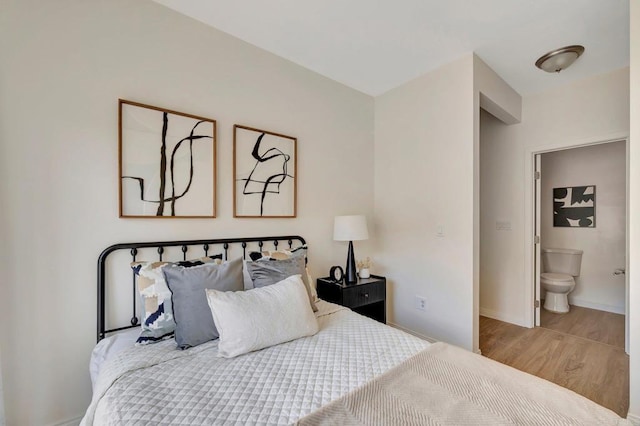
(269, 272)
(194, 322)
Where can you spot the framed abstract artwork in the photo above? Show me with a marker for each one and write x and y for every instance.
(264, 169)
(574, 206)
(167, 163)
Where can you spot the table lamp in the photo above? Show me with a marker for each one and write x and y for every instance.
(350, 228)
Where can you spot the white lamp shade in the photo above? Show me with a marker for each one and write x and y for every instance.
(350, 228)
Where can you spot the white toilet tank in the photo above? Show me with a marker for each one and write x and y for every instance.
(562, 261)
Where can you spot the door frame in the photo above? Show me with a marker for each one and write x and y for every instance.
(537, 260)
(530, 219)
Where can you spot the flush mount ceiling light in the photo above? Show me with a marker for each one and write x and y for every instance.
(559, 59)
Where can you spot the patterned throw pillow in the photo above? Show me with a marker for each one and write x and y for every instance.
(158, 322)
(279, 254)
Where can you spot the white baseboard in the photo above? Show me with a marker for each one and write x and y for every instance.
(501, 317)
(634, 419)
(597, 306)
(70, 422)
(413, 333)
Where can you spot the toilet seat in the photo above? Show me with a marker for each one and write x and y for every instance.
(557, 283)
(557, 278)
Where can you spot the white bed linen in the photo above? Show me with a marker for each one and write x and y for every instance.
(447, 385)
(158, 384)
(108, 347)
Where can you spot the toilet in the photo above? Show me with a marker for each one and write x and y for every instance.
(560, 266)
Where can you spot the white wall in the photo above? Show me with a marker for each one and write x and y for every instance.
(64, 66)
(634, 220)
(426, 179)
(595, 109)
(492, 94)
(604, 246)
(501, 254)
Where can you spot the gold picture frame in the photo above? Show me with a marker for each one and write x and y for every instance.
(265, 174)
(167, 163)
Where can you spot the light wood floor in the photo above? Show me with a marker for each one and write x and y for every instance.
(595, 370)
(591, 324)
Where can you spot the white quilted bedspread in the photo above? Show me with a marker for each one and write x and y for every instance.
(161, 385)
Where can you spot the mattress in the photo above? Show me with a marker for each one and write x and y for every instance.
(158, 384)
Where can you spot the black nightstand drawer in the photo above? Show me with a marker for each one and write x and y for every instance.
(363, 294)
(367, 296)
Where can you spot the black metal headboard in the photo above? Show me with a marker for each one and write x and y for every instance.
(204, 245)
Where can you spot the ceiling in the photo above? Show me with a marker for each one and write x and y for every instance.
(376, 45)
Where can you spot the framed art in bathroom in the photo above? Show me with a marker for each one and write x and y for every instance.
(167, 163)
(574, 207)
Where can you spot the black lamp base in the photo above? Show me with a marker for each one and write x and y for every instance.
(350, 273)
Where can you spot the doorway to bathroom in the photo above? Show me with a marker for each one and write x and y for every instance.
(580, 244)
(507, 330)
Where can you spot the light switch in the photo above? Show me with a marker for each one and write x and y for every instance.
(503, 225)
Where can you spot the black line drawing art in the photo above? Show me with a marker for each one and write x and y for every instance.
(163, 190)
(574, 207)
(264, 164)
(270, 185)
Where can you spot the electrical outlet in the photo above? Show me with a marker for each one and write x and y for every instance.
(421, 303)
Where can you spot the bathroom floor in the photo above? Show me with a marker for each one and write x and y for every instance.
(595, 370)
(604, 327)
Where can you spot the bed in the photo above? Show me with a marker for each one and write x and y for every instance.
(352, 370)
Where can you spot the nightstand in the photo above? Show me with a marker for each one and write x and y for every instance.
(366, 297)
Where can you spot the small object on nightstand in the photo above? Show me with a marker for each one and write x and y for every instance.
(363, 267)
(366, 296)
(336, 273)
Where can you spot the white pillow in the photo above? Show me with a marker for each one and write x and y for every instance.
(262, 317)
